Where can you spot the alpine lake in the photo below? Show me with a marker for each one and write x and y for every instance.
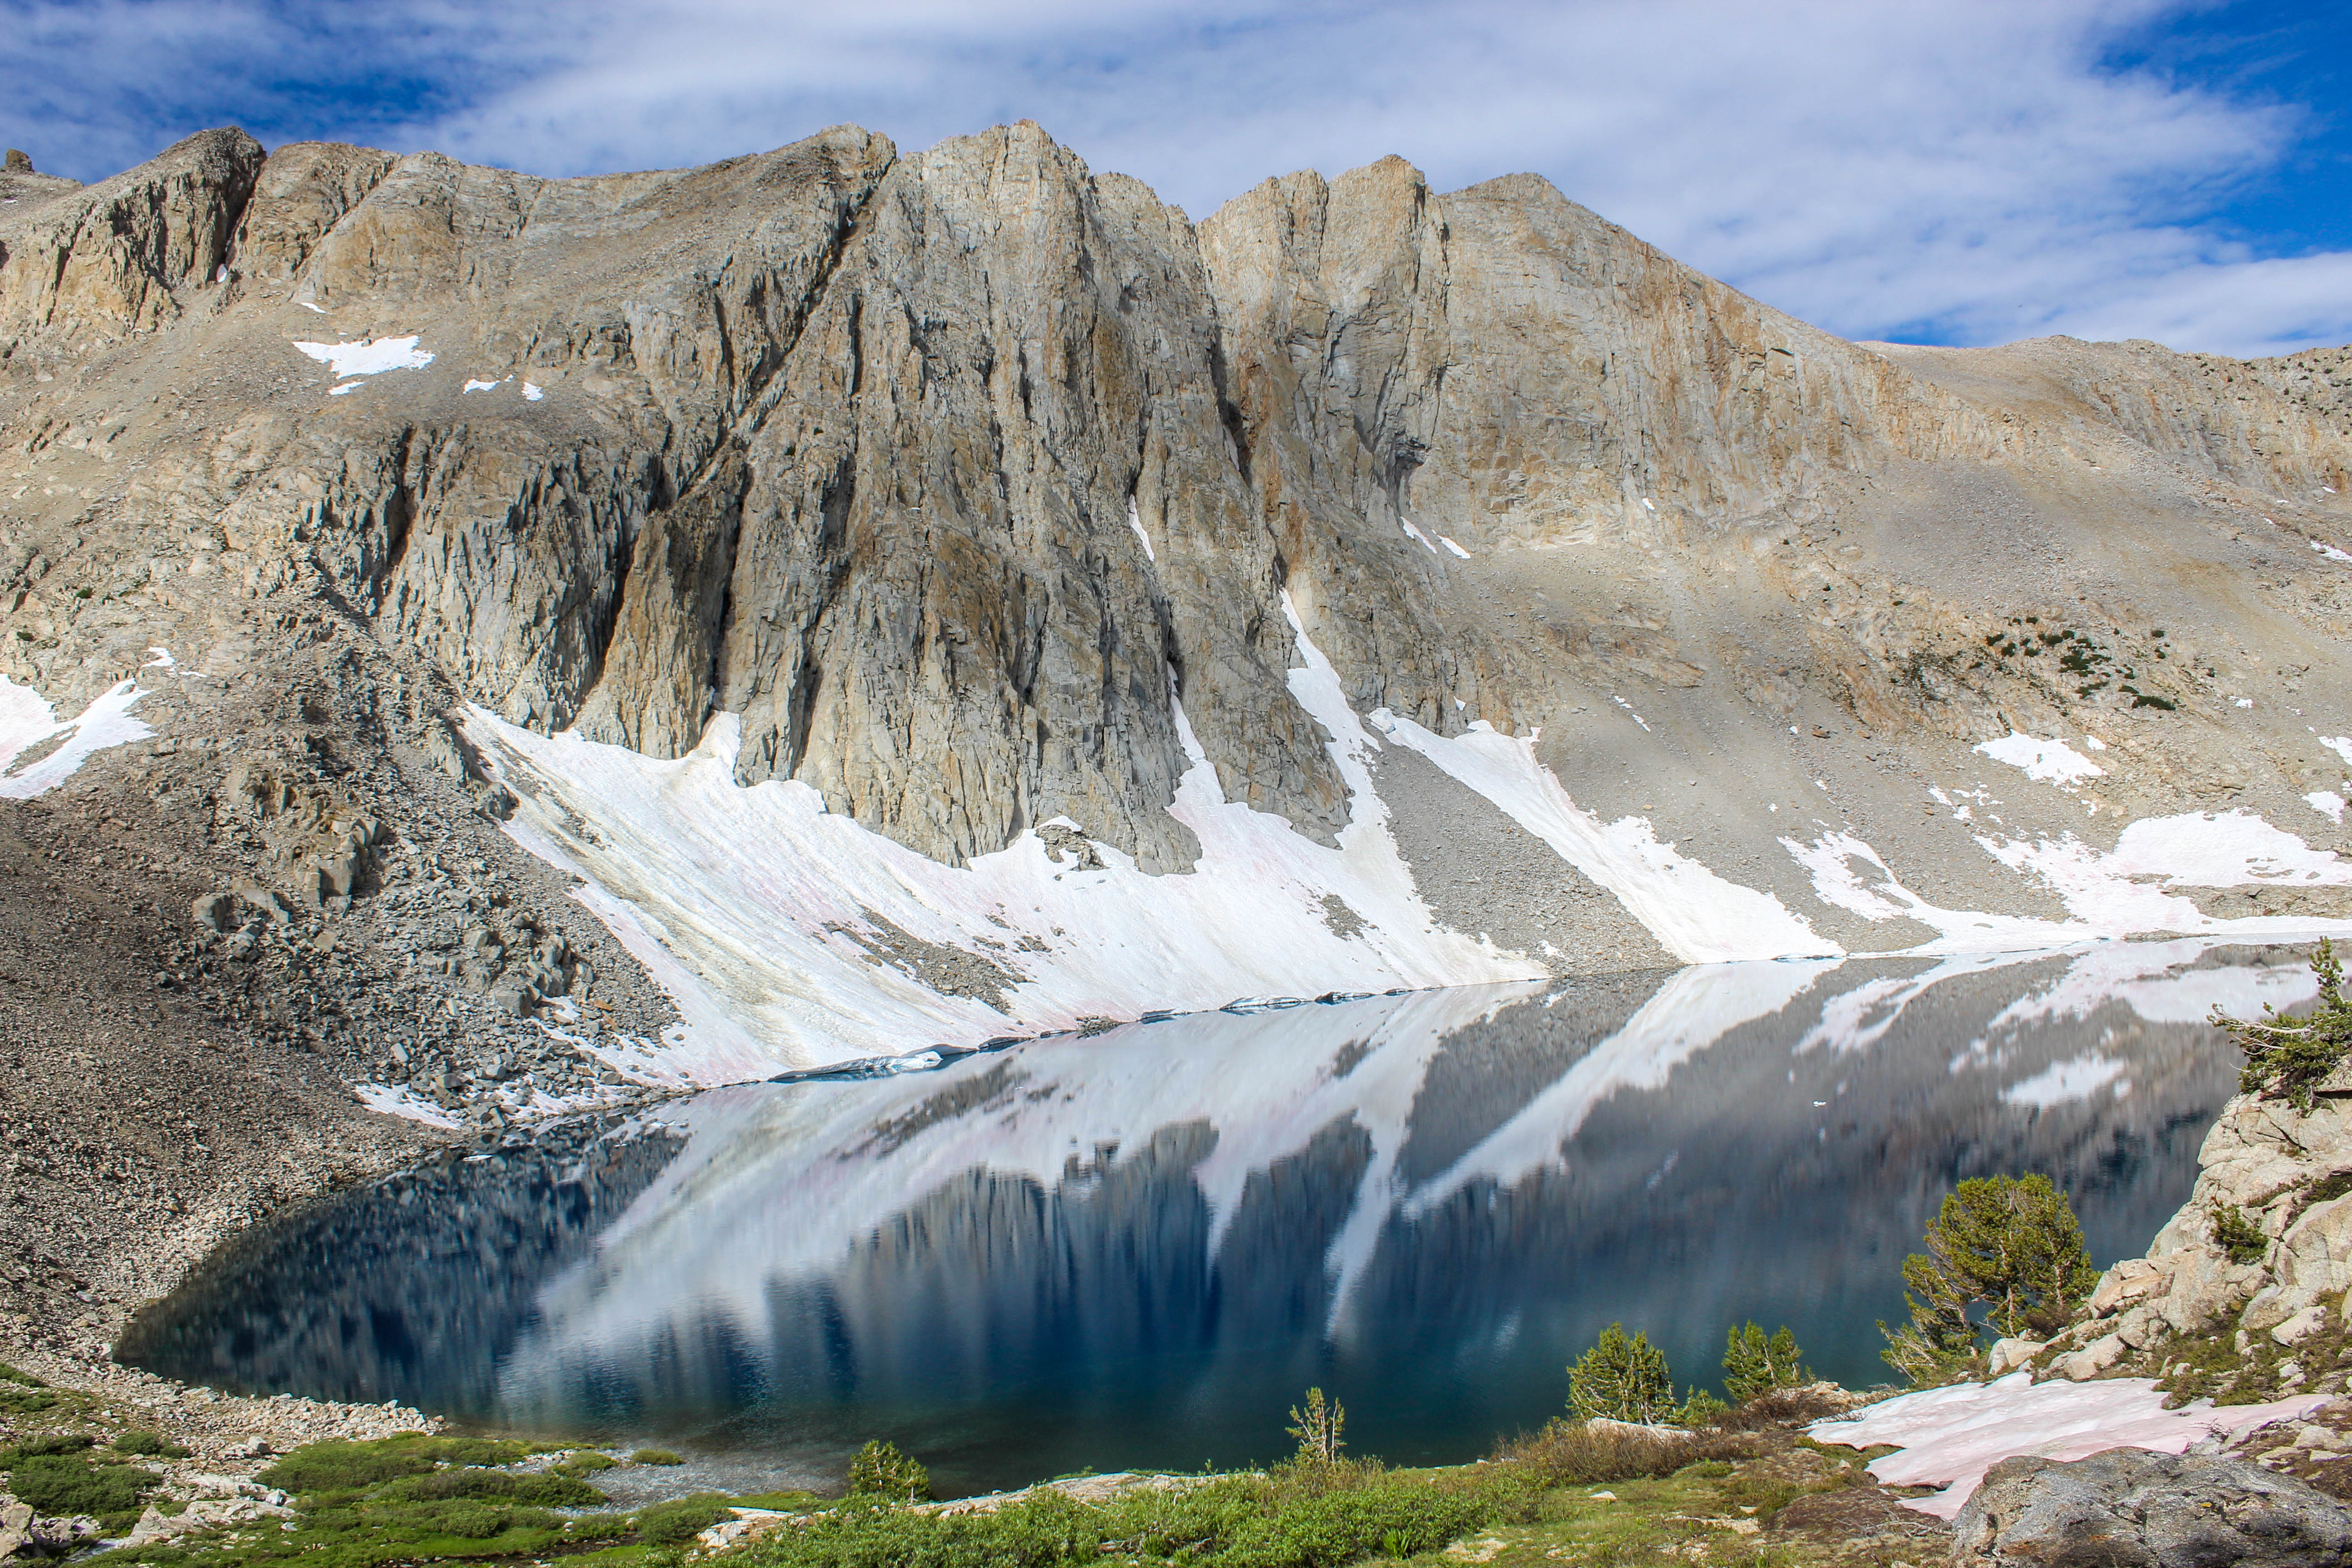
(1139, 1249)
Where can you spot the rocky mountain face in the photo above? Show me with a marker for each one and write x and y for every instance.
(1496, 595)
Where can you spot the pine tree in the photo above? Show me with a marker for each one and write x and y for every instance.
(880, 1470)
(2286, 1058)
(1318, 1429)
(1754, 1364)
(1622, 1379)
(2011, 1243)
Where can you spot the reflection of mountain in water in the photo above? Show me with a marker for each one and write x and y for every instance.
(411, 1289)
(1138, 1249)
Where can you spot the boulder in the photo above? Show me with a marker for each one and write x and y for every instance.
(264, 901)
(2128, 1508)
(16, 1525)
(2009, 1355)
(214, 911)
(2091, 1360)
(2133, 1279)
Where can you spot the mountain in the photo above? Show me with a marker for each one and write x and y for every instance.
(498, 641)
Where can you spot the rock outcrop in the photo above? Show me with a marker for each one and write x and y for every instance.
(2242, 1291)
(2130, 1509)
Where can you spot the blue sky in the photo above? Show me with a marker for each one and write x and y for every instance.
(1931, 170)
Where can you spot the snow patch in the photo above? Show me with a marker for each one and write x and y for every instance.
(369, 356)
(402, 1102)
(1413, 533)
(2107, 894)
(1698, 916)
(530, 392)
(2327, 802)
(26, 721)
(1950, 1436)
(2053, 761)
(2330, 552)
(163, 660)
(1135, 522)
(472, 385)
(1449, 544)
(346, 389)
(1848, 874)
(2339, 744)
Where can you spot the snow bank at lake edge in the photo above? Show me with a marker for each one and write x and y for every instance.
(1949, 1436)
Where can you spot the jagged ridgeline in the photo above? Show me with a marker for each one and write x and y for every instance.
(1598, 612)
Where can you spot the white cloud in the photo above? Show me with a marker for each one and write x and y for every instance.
(1962, 173)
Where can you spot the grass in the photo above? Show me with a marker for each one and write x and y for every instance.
(1570, 1493)
(338, 1466)
(654, 1456)
(22, 1394)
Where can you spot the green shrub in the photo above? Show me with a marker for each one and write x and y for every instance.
(880, 1470)
(470, 1519)
(2236, 1235)
(339, 1466)
(654, 1456)
(2012, 1244)
(1231, 1523)
(681, 1520)
(21, 1379)
(546, 1489)
(1622, 1379)
(1392, 1521)
(1754, 1364)
(588, 1459)
(600, 1527)
(145, 1440)
(2286, 1058)
(1702, 1408)
(67, 1484)
(31, 1447)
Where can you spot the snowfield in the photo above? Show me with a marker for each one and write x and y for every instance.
(29, 765)
(792, 938)
(1949, 1436)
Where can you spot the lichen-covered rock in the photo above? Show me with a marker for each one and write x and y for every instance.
(2128, 1508)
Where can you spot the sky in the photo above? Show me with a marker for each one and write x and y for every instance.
(1924, 171)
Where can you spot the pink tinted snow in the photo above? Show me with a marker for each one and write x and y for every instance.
(1950, 1436)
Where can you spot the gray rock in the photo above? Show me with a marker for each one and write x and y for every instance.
(2128, 1508)
(214, 911)
(266, 902)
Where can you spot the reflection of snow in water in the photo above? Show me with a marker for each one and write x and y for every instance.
(775, 1188)
(2077, 1077)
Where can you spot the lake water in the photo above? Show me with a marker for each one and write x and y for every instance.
(1140, 1248)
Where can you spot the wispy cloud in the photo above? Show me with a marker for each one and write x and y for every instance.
(1960, 172)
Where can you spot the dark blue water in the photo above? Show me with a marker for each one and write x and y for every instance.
(1139, 1249)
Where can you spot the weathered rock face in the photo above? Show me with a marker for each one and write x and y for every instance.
(2130, 1509)
(959, 484)
(119, 257)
